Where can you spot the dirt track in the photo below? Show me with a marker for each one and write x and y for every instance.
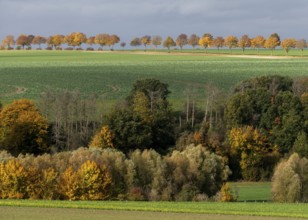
(198, 54)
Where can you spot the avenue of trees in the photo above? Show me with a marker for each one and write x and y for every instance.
(76, 39)
(144, 150)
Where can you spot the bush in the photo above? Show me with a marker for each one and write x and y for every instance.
(90, 49)
(226, 194)
(48, 48)
(290, 180)
(98, 174)
(69, 48)
(195, 170)
(59, 48)
(150, 173)
(100, 49)
(79, 48)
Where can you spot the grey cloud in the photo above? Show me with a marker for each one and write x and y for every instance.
(130, 18)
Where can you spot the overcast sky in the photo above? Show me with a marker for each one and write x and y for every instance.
(130, 18)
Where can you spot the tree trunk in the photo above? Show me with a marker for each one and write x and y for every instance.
(187, 109)
(193, 114)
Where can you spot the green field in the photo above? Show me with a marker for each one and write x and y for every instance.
(29, 213)
(252, 191)
(25, 74)
(248, 51)
(238, 209)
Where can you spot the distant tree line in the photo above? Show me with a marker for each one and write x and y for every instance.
(76, 39)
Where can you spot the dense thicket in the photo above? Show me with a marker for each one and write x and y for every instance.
(145, 120)
(93, 174)
(290, 180)
(263, 120)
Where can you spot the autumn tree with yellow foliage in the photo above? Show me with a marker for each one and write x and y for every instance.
(168, 43)
(75, 39)
(231, 42)
(254, 151)
(102, 39)
(272, 42)
(258, 42)
(103, 139)
(145, 40)
(205, 42)
(14, 180)
(23, 129)
(219, 42)
(89, 182)
(244, 42)
(8, 41)
(287, 44)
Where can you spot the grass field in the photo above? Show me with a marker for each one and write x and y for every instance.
(29, 213)
(252, 191)
(238, 209)
(25, 74)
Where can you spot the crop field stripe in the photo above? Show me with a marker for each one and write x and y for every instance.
(249, 209)
(26, 74)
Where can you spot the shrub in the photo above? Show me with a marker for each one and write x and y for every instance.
(90, 49)
(290, 180)
(69, 48)
(226, 194)
(195, 170)
(48, 48)
(150, 174)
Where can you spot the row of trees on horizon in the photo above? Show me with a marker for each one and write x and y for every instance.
(76, 39)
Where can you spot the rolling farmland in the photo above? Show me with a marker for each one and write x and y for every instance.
(25, 74)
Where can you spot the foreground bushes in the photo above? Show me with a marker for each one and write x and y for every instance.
(290, 180)
(92, 174)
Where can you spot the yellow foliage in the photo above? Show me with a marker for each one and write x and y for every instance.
(271, 43)
(103, 139)
(94, 181)
(226, 194)
(69, 187)
(205, 42)
(90, 182)
(252, 147)
(288, 43)
(14, 180)
(231, 41)
(257, 42)
(22, 126)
